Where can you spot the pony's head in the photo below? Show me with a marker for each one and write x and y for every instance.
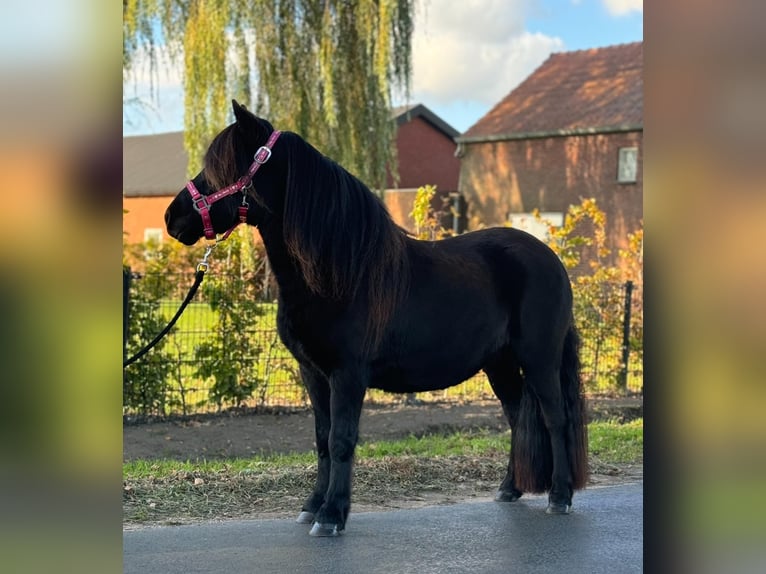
(214, 200)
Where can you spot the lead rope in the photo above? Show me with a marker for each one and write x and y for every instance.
(202, 267)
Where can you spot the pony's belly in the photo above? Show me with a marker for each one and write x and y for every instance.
(397, 380)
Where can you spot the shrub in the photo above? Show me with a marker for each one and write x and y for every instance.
(144, 383)
(599, 305)
(230, 355)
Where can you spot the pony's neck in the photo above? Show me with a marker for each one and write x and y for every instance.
(271, 228)
(329, 238)
(284, 268)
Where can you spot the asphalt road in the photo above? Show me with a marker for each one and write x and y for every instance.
(604, 533)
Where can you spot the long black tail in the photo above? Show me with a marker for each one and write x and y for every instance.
(531, 443)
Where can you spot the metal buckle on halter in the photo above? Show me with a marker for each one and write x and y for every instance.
(201, 203)
(263, 149)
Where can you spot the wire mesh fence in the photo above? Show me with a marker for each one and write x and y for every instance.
(225, 350)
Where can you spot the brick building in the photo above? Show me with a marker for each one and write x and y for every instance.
(572, 130)
(425, 147)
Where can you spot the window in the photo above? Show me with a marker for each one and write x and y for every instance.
(153, 235)
(536, 226)
(627, 165)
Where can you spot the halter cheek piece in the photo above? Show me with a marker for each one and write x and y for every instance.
(244, 184)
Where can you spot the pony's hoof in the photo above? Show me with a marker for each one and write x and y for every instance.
(503, 496)
(305, 517)
(558, 508)
(324, 529)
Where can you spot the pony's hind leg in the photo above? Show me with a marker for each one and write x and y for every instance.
(505, 378)
(318, 390)
(544, 383)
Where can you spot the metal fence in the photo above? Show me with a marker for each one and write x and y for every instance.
(194, 370)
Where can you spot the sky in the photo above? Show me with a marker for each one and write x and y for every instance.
(467, 55)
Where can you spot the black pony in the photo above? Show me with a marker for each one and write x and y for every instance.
(362, 305)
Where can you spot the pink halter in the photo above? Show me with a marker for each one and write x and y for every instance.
(202, 203)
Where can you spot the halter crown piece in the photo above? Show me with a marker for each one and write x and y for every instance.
(202, 203)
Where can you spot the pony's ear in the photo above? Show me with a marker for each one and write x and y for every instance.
(243, 117)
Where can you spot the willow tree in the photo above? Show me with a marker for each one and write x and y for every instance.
(325, 69)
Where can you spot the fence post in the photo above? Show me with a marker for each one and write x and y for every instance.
(623, 380)
(126, 279)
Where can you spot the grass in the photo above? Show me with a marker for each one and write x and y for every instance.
(464, 443)
(461, 464)
(612, 442)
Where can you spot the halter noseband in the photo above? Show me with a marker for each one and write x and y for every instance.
(202, 203)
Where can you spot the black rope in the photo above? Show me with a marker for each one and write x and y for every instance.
(197, 280)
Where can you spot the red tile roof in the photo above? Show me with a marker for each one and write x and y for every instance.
(153, 165)
(587, 90)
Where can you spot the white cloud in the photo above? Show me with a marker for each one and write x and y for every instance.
(474, 50)
(623, 7)
(469, 53)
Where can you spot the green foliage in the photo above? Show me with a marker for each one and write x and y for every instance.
(162, 381)
(599, 307)
(422, 214)
(164, 263)
(228, 357)
(164, 273)
(144, 384)
(427, 223)
(617, 443)
(326, 70)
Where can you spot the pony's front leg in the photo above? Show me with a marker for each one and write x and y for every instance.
(318, 390)
(347, 388)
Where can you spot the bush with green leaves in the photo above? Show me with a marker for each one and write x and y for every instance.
(599, 293)
(145, 382)
(230, 355)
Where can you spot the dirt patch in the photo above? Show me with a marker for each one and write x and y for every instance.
(233, 435)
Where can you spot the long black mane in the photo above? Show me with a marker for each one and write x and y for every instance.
(338, 232)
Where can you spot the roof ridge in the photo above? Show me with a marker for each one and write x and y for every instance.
(598, 48)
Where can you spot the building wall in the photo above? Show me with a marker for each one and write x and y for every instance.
(142, 213)
(148, 212)
(399, 203)
(550, 174)
(426, 156)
